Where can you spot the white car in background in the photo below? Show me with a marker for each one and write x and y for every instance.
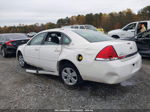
(129, 30)
(31, 34)
(77, 55)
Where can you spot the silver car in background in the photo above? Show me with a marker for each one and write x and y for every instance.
(86, 27)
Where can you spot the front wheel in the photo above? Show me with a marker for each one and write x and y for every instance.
(70, 75)
(21, 61)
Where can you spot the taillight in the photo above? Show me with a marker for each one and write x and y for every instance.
(9, 43)
(108, 53)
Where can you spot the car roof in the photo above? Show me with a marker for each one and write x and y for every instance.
(141, 21)
(59, 29)
(63, 30)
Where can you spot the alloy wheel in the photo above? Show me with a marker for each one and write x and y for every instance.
(21, 60)
(69, 76)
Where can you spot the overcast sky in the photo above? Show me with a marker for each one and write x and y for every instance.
(14, 12)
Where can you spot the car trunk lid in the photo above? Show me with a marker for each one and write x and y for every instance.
(122, 48)
(16, 43)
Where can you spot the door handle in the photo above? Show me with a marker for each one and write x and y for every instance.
(36, 49)
(57, 50)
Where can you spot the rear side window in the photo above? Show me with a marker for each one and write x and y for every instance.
(66, 40)
(93, 36)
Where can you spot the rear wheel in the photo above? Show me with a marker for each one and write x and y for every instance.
(70, 75)
(4, 54)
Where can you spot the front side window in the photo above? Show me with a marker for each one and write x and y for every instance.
(93, 36)
(53, 38)
(38, 39)
(130, 27)
(142, 26)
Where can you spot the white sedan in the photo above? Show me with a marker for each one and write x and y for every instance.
(77, 55)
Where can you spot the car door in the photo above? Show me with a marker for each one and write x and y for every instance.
(31, 51)
(50, 51)
(143, 42)
(129, 30)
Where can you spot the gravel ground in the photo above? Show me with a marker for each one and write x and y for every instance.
(21, 90)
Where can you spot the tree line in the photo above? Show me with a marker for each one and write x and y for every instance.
(113, 20)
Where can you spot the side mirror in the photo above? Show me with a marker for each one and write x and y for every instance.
(124, 29)
(133, 31)
(136, 37)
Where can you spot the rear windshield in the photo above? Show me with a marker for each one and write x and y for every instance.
(93, 36)
(15, 36)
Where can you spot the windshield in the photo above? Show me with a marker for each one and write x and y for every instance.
(90, 27)
(93, 36)
(15, 36)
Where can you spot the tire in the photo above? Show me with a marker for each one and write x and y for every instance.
(70, 75)
(116, 36)
(4, 54)
(21, 61)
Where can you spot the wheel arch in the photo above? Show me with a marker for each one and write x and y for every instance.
(17, 53)
(115, 36)
(63, 61)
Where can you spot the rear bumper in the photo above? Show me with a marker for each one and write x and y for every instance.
(112, 72)
(145, 53)
(11, 50)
